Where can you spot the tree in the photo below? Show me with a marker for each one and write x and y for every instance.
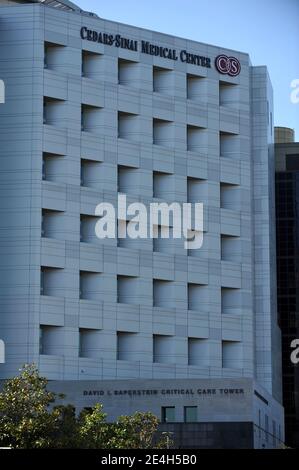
(94, 431)
(25, 419)
(129, 432)
(29, 420)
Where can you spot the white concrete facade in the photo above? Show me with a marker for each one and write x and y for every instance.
(84, 120)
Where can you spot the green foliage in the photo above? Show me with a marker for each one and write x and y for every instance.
(29, 420)
(25, 421)
(135, 432)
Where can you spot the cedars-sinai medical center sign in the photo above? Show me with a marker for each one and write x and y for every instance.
(224, 64)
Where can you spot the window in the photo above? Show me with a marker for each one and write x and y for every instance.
(163, 81)
(198, 297)
(91, 174)
(51, 282)
(232, 356)
(163, 185)
(50, 340)
(128, 126)
(163, 294)
(196, 88)
(197, 190)
(53, 167)
(231, 301)
(229, 145)
(89, 343)
(168, 414)
(163, 241)
(54, 57)
(198, 352)
(228, 94)
(127, 290)
(127, 179)
(230, 248)
(127, 346)
(190, 414)
(87, 229)
(91, 287)
(91, 65)
(128, 73)
(91, 118)
(196, 139)
(163, 133)
(229, 196)
(53, 111)
(52, 224)
(163, 349)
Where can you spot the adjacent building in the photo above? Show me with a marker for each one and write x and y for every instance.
(96, 108)
(287, 200)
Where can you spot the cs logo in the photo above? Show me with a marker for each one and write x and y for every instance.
(228, 65)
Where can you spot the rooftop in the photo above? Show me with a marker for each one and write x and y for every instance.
(65, 5)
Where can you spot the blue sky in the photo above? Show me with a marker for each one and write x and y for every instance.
(267, 29)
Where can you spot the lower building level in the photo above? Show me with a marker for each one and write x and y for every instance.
(198, 413)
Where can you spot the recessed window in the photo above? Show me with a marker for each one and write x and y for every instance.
(91, 118)
(53, 111)
(232, 355)
(91, 64)
(190, 414)
(229, 145)
(54, 57)
(88, 229)
(92, 175)
(128, 126)
(231, 301)
(229, 196)
(163, 133)
(197, 190)
(163, 81)
(196, 139)
(49, 340)
(127, 290)
(198, 297)
(52, 224)
(127, 346)
(230, 248)
(51, 282)
(163, 294)
(228, 94)
(196, 88)
(53, 167)
(128, 73)
(198, 352)
(91, 286)
(89, 343)
(127, 179)
(163, 185)
(168, 414)
(163, 349)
